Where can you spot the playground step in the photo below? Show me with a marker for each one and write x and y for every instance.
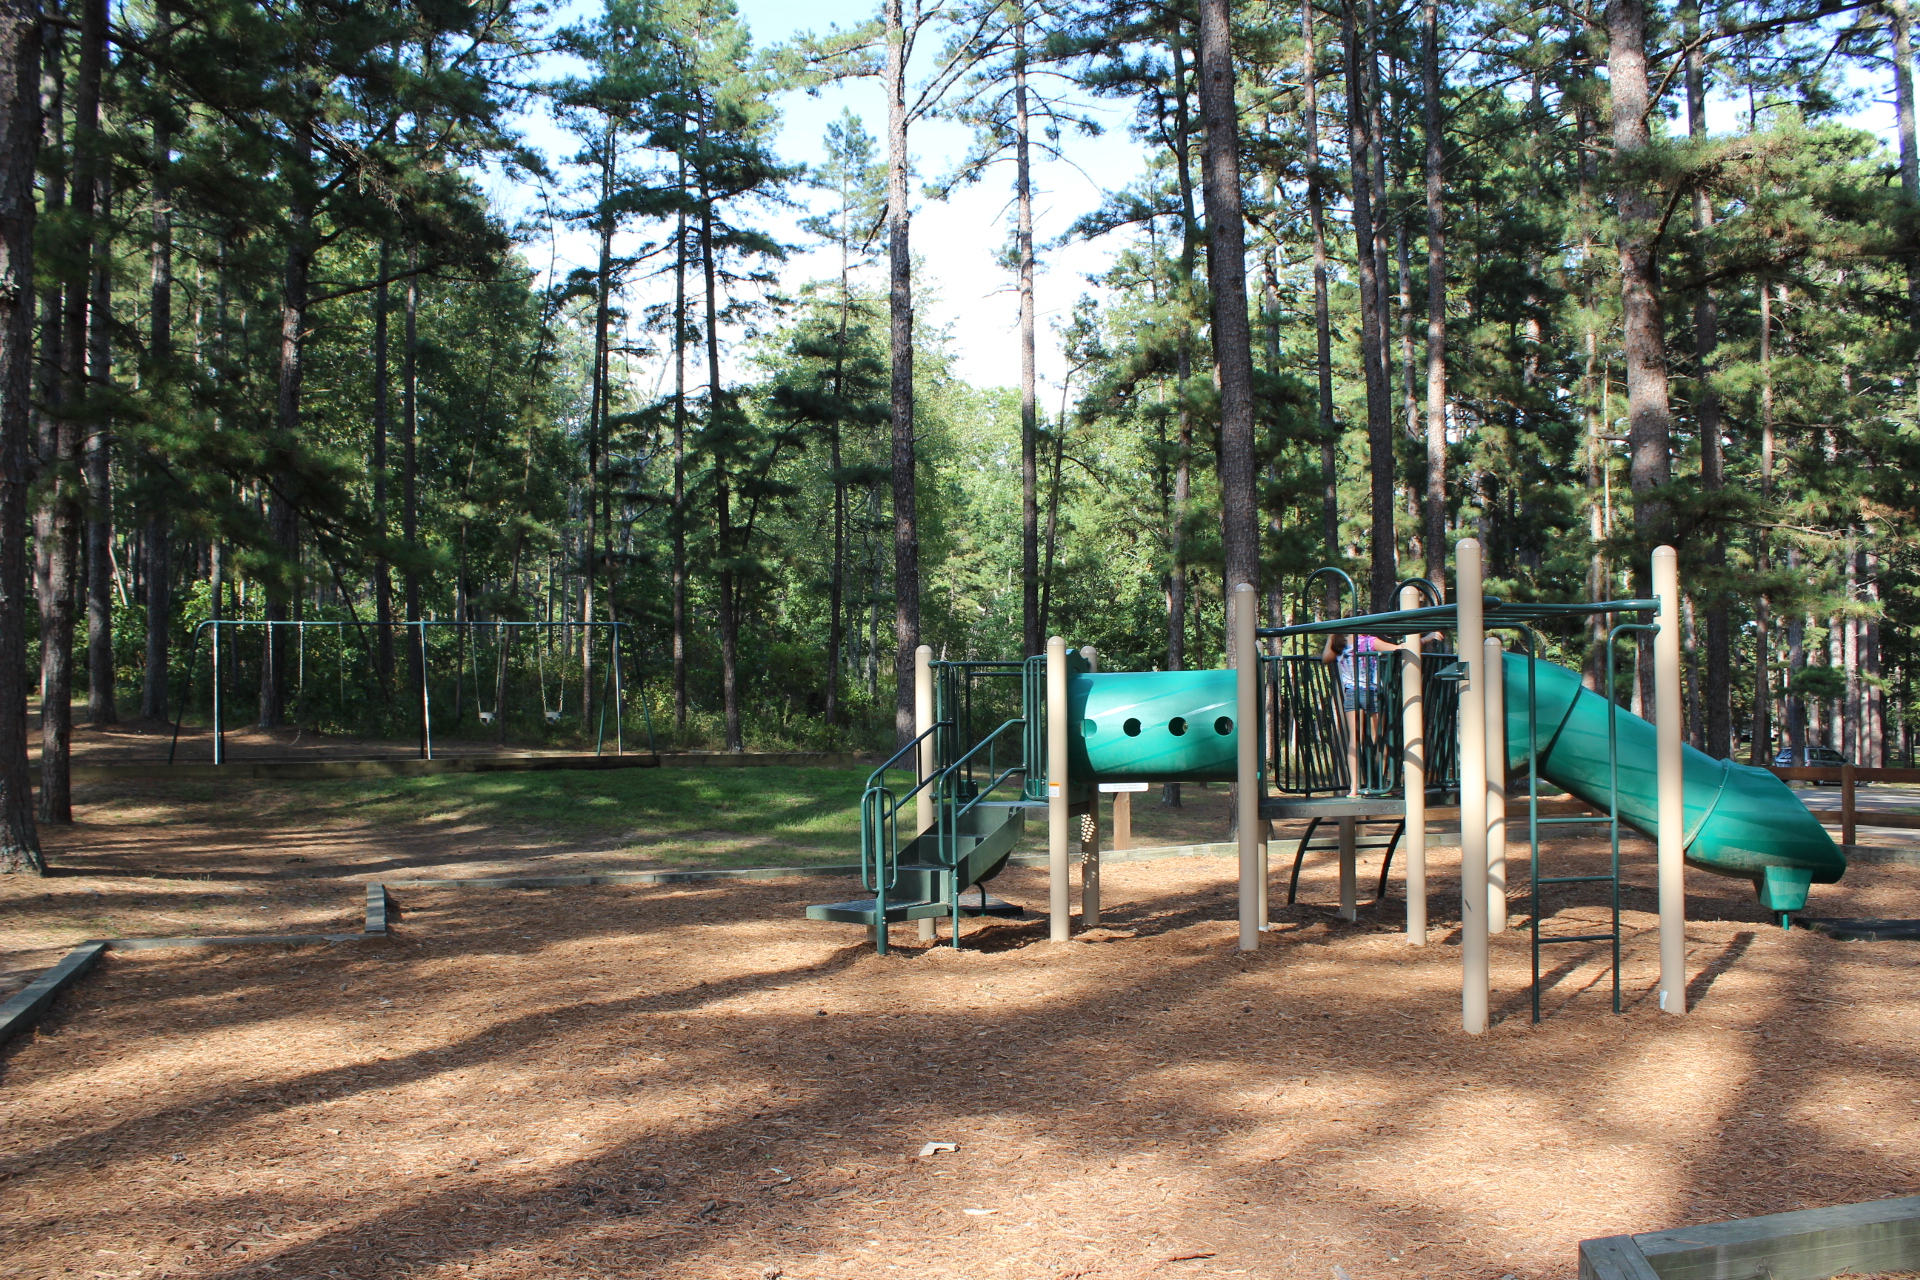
(860, 910)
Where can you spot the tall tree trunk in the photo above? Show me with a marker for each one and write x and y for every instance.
(1360, 142)
(597, 418)
(678, 523)
(1322, 319)
(1031, 638)
(64, 481)
(1436, 498)
(837, 578)
(1177, 584)
(283, 517)
(410, 483)
(730, 554)
(154, 700)
(19, 152)
(1718, 720)
(1900, 15)
(1227, 278)
(382, 425)
(99, 453)
(906, 532)
(1643, 341)
(1761, 750)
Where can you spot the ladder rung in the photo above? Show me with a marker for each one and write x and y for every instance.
(1580, 937)
(1565, 822)
(1571, 879)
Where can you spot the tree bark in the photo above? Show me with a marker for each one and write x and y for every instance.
(906, 533)
(597, 416)
(1436, 497)
(1360, 143)
(154, 700)
(1760, 750)
(19, 152)
(678, 523)
(1901, 18)
(382, 426)
(1717, 725)
(1643, 341)
(1322, 318)
(99, 475)
(729, 554)
(1227, 278)
(1032, 640)
(63, 480)
(283, 516)
(409, 482)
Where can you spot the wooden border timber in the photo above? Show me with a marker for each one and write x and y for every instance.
(1811, 1244)
(1847, 776)
(27, 1005)
(407, 767)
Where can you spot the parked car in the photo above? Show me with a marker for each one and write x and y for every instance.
(1809, 758)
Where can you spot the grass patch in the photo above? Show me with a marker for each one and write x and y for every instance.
(711, 816)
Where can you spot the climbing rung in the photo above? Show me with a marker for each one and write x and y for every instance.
(1580, 937)
(1574, 879)
(1564, 822)
(1368, 844)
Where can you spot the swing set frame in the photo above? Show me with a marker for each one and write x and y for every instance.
(219, 630)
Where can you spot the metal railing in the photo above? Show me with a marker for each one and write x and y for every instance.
(1310, 731)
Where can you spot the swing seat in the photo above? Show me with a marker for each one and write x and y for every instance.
(486, 717)
(553, 717)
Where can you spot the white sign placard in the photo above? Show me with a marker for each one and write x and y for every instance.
(1123, 786)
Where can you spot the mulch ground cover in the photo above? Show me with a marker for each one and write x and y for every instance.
(691, 1081)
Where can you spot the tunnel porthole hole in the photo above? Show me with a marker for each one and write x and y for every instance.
(1223, 726)
(1131, 728)
(1177, 726)
(1088, 728)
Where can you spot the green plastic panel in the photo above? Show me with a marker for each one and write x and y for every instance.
(1740, 821)
(1152, 726)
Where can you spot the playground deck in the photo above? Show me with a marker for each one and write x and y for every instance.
(687, 1081)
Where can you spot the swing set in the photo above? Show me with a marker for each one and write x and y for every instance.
(480, 682)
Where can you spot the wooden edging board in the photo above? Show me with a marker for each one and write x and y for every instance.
(407, 767)
(26, 1006)
(1810, 1244)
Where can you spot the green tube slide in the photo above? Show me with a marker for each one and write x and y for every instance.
(1740, 821)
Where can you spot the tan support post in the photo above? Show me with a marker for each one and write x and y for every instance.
(1244, 612)
(926, 758)
(1669, 766)
(1090, 836)
(923, 721)
(1059, 889)
(1123, 820)
(1413, 775)
(1846, 804)
(1474, 981)
(1496, 699)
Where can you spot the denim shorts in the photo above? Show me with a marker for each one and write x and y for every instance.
(1358, 698)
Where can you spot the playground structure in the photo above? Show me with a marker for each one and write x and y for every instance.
(485, 677)
(1423, 726)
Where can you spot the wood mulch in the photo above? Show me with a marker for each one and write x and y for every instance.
(691, 1081)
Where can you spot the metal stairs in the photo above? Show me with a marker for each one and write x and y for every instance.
(940, 864)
